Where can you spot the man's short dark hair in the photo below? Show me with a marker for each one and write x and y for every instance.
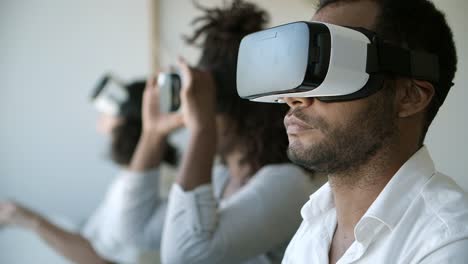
(418, 25)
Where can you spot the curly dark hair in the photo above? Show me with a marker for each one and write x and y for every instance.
(259, 127)
(124, 141)
(418, 25)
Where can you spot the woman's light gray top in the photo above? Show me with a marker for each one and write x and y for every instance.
(254, 225)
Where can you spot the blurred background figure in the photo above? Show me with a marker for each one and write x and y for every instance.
(245, 209)
(119, 105)
(51, 158)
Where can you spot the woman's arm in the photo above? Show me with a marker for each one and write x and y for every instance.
(198, 110)
(156, 127)
(70, 245)
(138, 205)
(135, 199)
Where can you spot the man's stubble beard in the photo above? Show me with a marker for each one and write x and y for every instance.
(348, 147)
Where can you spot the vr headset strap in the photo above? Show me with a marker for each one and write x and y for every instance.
(387, 58)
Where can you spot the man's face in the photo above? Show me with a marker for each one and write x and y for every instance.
(335, 137)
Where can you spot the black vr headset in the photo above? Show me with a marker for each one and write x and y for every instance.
(329, 62)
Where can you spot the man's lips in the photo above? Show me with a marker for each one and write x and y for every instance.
(296, 126)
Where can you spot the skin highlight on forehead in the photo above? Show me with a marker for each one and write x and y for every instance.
(352, 14)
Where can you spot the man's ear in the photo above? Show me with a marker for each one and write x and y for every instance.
(413, 96)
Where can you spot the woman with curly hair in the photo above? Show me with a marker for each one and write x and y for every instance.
(243, 210)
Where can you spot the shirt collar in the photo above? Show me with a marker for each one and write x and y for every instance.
(404, 187)
(319, 202)
(391, 203)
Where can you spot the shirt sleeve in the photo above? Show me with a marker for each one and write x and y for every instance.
(263, 215)
(131, 215)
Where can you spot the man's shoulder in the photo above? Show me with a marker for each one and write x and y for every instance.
(447, 203)
(436, 222)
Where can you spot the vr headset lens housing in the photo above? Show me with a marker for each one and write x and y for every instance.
(170, 85)
(330, 62)
(110, 95)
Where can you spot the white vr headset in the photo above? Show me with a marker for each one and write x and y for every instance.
(114, 97)
(329, 62)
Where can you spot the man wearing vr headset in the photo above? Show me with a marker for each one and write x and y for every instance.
(360, 116)
(385, 202)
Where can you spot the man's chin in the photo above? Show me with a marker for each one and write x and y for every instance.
(297, 155)
(301, 146)
(309, 156)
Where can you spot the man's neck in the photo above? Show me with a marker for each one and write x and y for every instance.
(356, 190)
(353, 199)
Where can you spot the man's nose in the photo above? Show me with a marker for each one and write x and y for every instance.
(295, 102)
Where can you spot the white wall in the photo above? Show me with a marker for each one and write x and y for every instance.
(51, 54)
(176, 17)
(446, 138)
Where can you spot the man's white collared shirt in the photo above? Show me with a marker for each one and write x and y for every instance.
(421, 216)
